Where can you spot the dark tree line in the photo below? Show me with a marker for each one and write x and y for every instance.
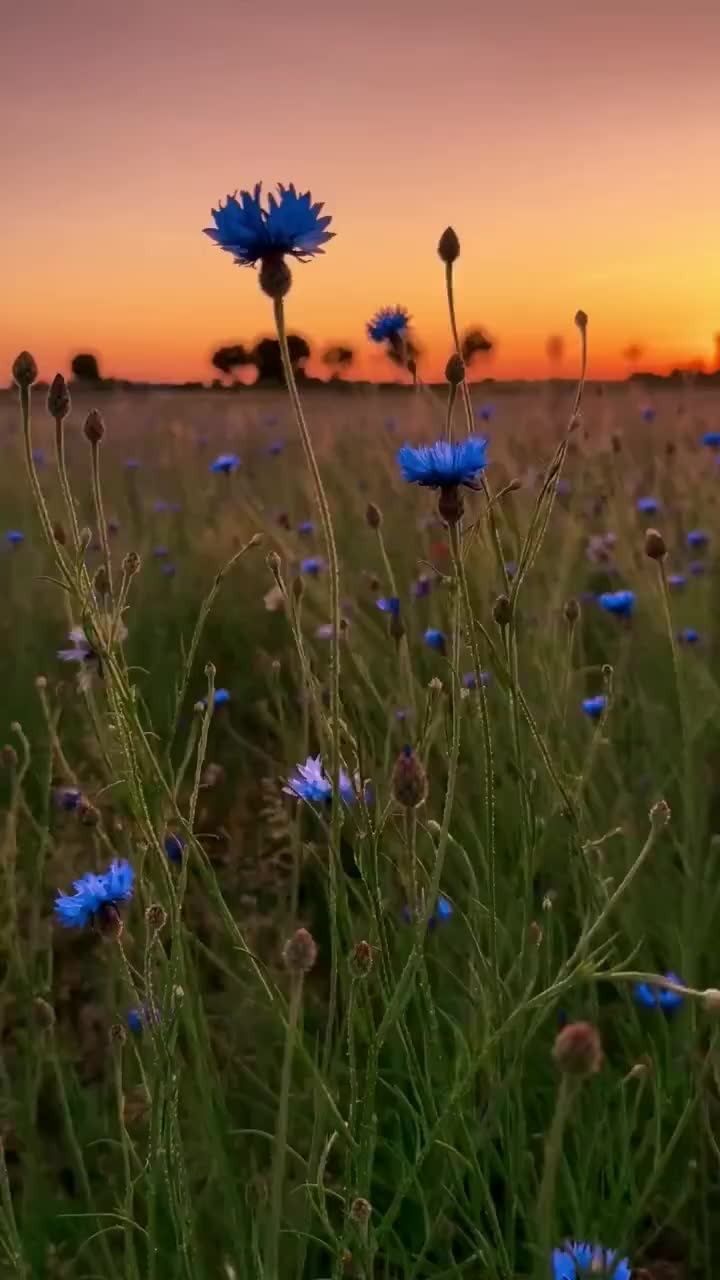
(265, 357)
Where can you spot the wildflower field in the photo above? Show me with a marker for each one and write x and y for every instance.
(360, 829)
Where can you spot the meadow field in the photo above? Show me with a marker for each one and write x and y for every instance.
(443, 1003)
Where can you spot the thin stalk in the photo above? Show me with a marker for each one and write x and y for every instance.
(65, 484)
(548, 1185)
(272, 1245)
(100, 514)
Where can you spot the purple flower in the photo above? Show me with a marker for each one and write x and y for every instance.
(388, 604)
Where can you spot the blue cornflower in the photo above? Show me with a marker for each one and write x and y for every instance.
(174, 846)
(15, 537)
(434, 639)
(421, 586)
(388, 324)
(620, 602)
(306, 526)
(389, 604)
(168, 570)
(67, 798)
(290, 225)
(677, 580)
(38, 457)
(276, 448)
(138, 1019)
(563, 487)
(510, 568)
(222, 697)
(711, 439)
(652, 997)
(94, 894)
(595, 706)
(445, 464)
(312, 565)
(443, 911)
(324, 631)
(160, 506)
(697, 568)
(648, 414)
(81, 651)
(132, 464)
(698, 538)
(470, 679)
(575, 1261)
(648, 506)
(485, 412)
(689, 635)
(225, 463)
(160, 552)
(310, 782)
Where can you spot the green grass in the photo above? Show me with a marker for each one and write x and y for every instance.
(236, 1135)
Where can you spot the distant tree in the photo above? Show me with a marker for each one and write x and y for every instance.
(266, 357)
(85, 368)
(226, 359)
(339, 359)
(555, 348)
(474, 342)
(633, 353)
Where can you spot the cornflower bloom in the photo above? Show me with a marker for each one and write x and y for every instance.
(652, 997)
(96, 898)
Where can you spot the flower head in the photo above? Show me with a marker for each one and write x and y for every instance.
(388, 324)
(594, 707)
(225, 463)
(68, 798)
(652, 997)
(470, 679)
(81, 651)
(444, 464)
(689, 635)
(648, 414)
(221, 699)
(306, 527)
(435, 639)
(620, 602)
(647, 506)
(15, 537)
(312, 565)
(711, 439)
(389, 604)
(138, 1019)
(310, 782)
(289, 225)
(93, 894)
(697, 538)
(421, 586)
(676, 580)
(576, 1261)
(174, 846)
(485, 412)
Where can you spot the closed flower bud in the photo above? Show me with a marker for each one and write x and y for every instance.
(59, 534)
(455, 370)
(711, 1000)
(502, 611)
(409, 780)
(571, 609)
(577, 1050)
(361, 960)
(581, 320)
(655, 545)
(131, 564)
(449, 246)
(10, 756)
(275, 277)
(24, 369)
(118, 1034)
(373, 515)
(361, 1211)
(156, 916)
(300, 952)
(94, 427)
(58, 401)
(101, 581)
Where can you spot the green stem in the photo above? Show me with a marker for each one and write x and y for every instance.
(272, 1245)
(548, 1186)
(100, 515)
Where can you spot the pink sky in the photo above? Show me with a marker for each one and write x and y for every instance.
(573, 147)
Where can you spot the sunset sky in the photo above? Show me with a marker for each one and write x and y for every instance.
(573, 146)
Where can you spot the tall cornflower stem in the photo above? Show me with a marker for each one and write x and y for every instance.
(65, 483)
(272, 1244)
(100, 513)
(12, 1243)
(459, 565)
(404, 649)
(470, 427)
(334, 572)
(450, 412)
(551, 1165)
(131, 1266)
(37, 492)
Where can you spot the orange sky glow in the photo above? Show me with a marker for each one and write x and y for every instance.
(572, 146)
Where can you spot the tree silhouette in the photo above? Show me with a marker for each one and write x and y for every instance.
(555, 348)
(339, 359)
(225, 359)
(633, 353)
(474, 342)
(85, 368)
(265, 355)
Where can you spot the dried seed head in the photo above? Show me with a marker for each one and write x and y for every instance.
(10, 756)
(44, 1014)
(455, 370)
(118, 1034)
(502, 611)
(655, 545)
(659, 815)
(409, 780)
(360, 1211)
(131, 564)
(24, 369)
(300, 952)
(449, 245)
(59, 534)
(58, 401)
(94, 427)
(373, 515)
(571, 609)
(577, 1050)
(275, 277)
(156, 917)
(361, 960)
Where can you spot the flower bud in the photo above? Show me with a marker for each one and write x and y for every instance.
(373, 515)
(360, 1211)
(449, 246)
(59, 534)
(58, 401)
(118, 1034)
(659, 815)
(131, 564)
(577, 1050)
(25, 370)
(711, 1000)
(571, 609)
(300, 952)
(275, 277)
(409, 780)
(361, 960)
(655, 545)
(94, 427)
(155, 917)
(502, 611)
(581, 320)
(455, 370)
